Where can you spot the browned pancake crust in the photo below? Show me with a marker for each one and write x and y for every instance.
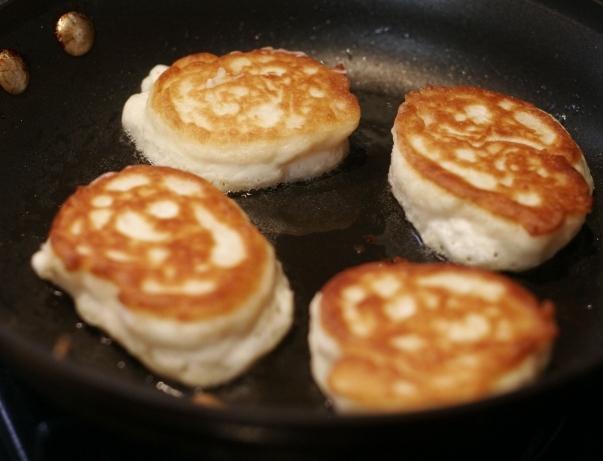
(545, 167)
(373, 371)
(101, 251)
(311, 96)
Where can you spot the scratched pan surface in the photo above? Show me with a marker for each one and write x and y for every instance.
(65, 131)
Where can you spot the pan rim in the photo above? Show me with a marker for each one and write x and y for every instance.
(17, 351)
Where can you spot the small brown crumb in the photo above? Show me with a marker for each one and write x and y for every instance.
(14, 76)
(206, 399)
(61, 347)
(359, 248)
(75, 32)
(395, 259)
(370, 239)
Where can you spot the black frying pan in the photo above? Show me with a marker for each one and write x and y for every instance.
(65, 131)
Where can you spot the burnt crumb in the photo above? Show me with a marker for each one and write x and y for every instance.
(61, 347)
(205, 399)
(369, 239)
(394, 260)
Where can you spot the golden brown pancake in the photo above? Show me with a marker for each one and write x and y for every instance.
(402, 336)
(172, 269)
(489, 157)
(244, 120)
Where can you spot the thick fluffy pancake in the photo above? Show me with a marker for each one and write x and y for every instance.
(172, 269)
(403, 336)
(244, 120)
(487, 179)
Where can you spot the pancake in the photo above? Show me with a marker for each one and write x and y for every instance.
(486, 179)
(172, 269)
(244, 120)
(406, 337)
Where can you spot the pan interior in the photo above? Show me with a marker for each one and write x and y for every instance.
(66, 130)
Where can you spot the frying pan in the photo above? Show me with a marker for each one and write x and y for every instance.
(65, 130)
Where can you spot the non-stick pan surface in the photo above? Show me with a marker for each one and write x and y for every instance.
(66, 130)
